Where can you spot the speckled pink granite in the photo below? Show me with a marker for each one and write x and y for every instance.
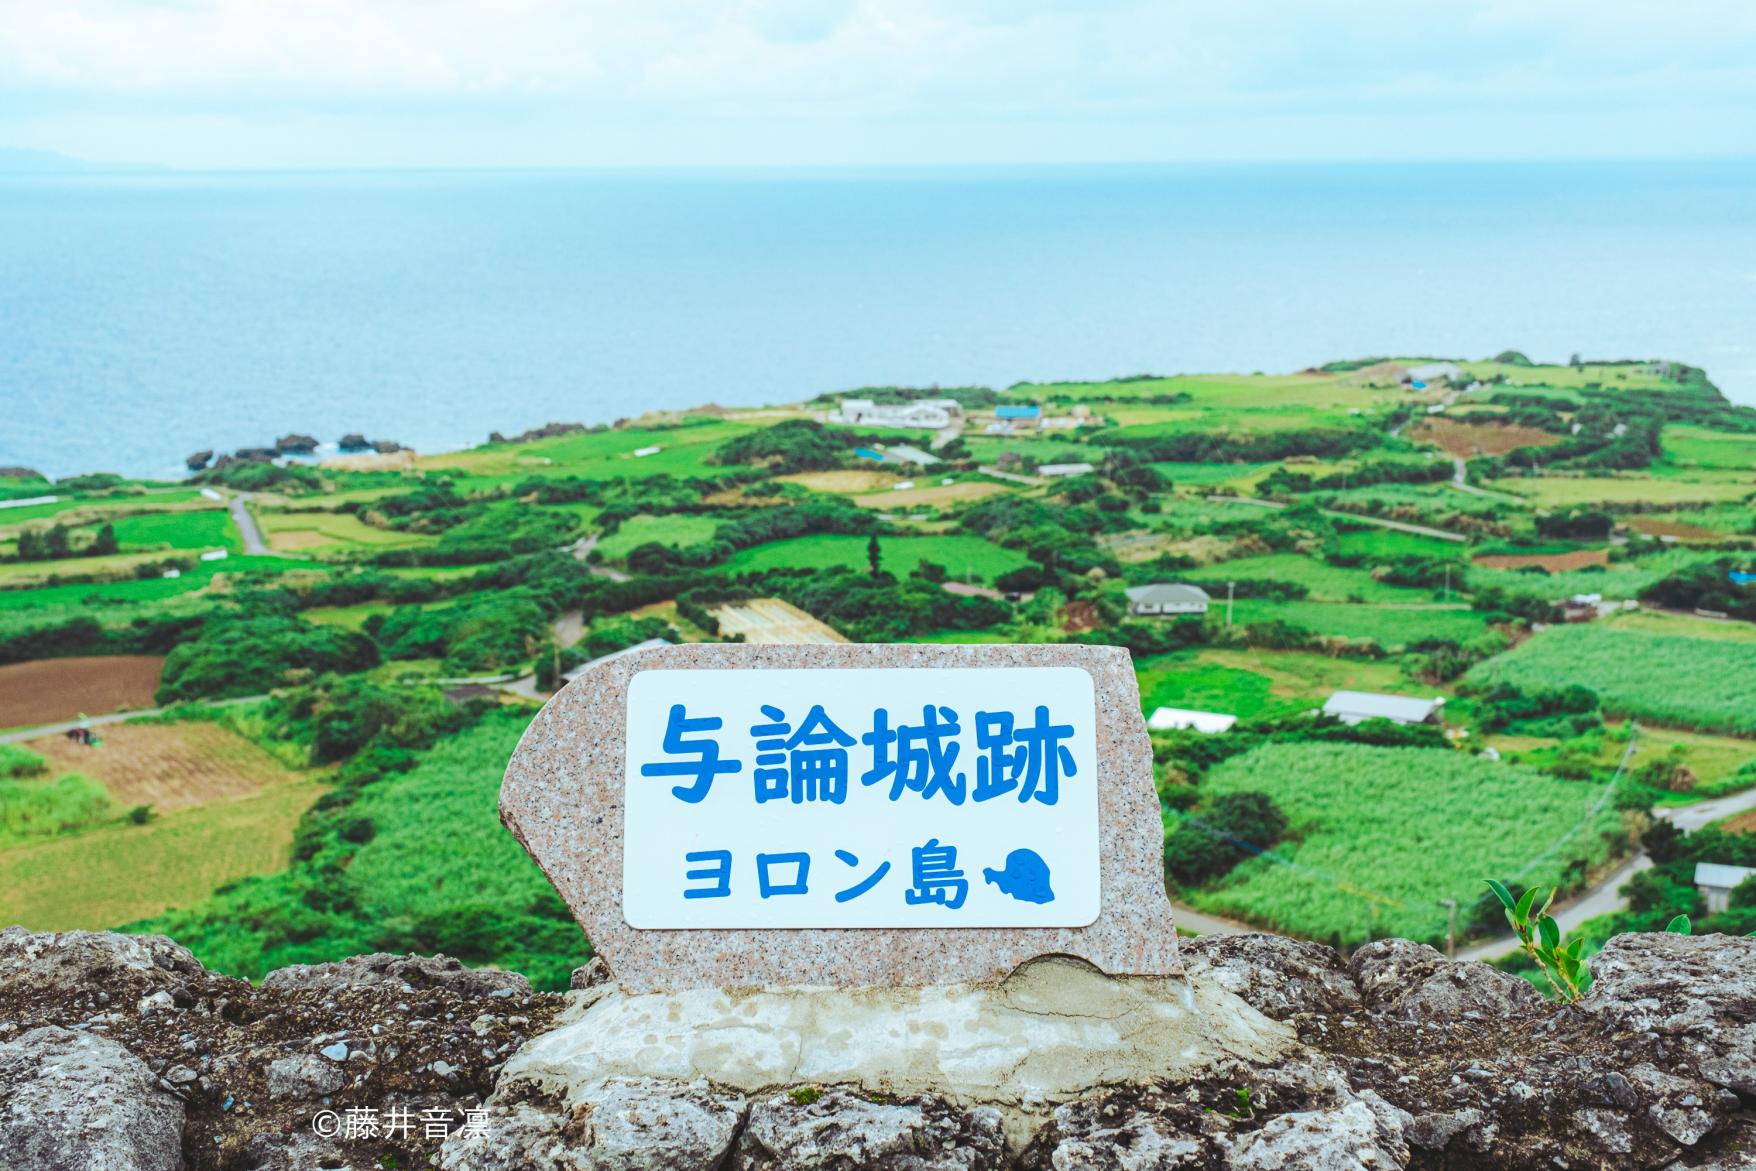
(562, 798)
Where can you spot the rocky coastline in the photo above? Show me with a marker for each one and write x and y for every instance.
(125, 1053)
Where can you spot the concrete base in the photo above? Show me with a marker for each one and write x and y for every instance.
(1053, 1031)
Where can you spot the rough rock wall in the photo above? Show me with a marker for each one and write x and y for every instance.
(125, 1054)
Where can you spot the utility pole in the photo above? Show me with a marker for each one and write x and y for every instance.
(1229, 586)
(1450, 906)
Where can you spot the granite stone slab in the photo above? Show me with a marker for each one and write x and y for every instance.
(563, 799)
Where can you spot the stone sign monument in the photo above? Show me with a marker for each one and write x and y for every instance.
(729, 815)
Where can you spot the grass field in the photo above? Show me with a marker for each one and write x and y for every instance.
(439, 873)
(1697, 524)
(94, 507)
(1566, 491)
(1389, 543)
(1687, 625)
(1696, 683)
(1389, 627)
(321, 532)
(1249, 684)
(1327, 583)
(1198, 476)
(960, 555)
(598, 455)
(1697, 447)
(932, 492)
(962, 637)
(1565, 378)
(354, 617)
(1620, 579)
(1228, 390)
(678, 531)
(1379, 835)
(109, 876)
(188, 531)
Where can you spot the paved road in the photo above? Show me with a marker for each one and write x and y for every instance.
(1603, 898)
(945, 435)
(581, 549)
(254, 545)
(1353, 517)
(57, 729)
(1460, 481)
(1189, 919)
(1012, 476)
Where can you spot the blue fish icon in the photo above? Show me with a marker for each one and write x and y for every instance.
(1026, 877)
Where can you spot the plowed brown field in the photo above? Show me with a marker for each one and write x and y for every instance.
(1553, 562)
(167, 766)
(46, 691)
(1472, 439)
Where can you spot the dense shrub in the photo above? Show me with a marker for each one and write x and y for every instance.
(1235, 826)
(794, 445)
(336, 717)
(482, 633)
(249, 655)
(17, 763)
(1706, 586)
(36, 809)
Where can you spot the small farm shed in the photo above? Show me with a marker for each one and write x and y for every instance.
(1715, 882)
(1161, 598)
(1354, 707)
(1167, 718)
(1433, 372)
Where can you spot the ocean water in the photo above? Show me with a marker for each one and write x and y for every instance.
(144, 316)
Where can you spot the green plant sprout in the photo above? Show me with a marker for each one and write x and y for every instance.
(1540, 936)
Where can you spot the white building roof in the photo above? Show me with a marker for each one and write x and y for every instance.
(1369, 705)
(1718, 875)
(913, 455)
(1433, 370)
(1065, 469)
(1176, 717)
(1165, 593)
(648, 645)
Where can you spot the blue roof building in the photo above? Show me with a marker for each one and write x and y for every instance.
(1030, 411)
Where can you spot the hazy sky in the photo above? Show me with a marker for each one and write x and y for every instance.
(611, 82)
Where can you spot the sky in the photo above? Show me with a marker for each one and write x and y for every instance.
(332, 83)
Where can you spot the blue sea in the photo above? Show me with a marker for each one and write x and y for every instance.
(146, 315)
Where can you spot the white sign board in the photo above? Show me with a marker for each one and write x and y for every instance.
(866, 797)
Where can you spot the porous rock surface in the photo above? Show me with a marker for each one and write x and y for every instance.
(125, 1053)
(109, 1037)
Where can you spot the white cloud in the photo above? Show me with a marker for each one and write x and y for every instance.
(863, 63)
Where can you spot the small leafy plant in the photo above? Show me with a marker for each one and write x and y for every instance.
(1540, 936)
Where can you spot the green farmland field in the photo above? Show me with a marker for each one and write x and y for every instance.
(1395, 830)
(960, 555)
(1387, 626)
(1698, 683)
(1250, 683)
(1389, 543)
(190, 531)
(678, 531)
(1327, 583)
(597, 455)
